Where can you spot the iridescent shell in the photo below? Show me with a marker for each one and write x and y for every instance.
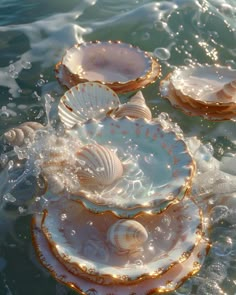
(202, 90)
(135, 108)
(118, 65)
(22, 134)
(86, 101)
(179, 249)
(127, 235)
(154, 157)
(97, 165)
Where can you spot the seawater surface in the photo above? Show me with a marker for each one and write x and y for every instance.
(33, 37)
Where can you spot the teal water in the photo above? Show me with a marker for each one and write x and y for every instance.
(33, 38)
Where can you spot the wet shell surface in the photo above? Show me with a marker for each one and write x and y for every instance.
(228, 91)
(155, 158)
(127, 235)
(204, 83)
(174, 255)
(97, 165)
(86, 101)
(120, 66)
(22, 133)
(188, 90)
(135, 108)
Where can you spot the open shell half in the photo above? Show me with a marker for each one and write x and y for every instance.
(78, 239)
(119, 65)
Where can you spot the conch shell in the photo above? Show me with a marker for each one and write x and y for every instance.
(127, 235)
(135, 108)
(23, 133)
(228, 91)
(97, 165)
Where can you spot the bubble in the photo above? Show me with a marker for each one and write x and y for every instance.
(217, 272)
(166, 219)
(21, 210)
(145, 36)
(73, 232)
(139, 263)
(9, 198)
(26, 64)
(218, 213)
(209, 287)
(63, 217)
(162, 53)
(222, 247)
(40, 82)
(12, 71)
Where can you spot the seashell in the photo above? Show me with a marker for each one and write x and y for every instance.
(19, 135)
(135, 108)
(86, 101)
(127, 235)
(120, 66)
(228, 91)
(97, 165)
(197, 91)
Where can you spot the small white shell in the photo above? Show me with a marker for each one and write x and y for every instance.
(127, 235)
(25, 131)
(86, 101)
(228, 91)
(97, 165)
(135, 108)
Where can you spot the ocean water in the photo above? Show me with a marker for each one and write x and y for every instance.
(33, 37)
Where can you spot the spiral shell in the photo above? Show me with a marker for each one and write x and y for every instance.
(19, 135)
(97, 165)
(135, 108)
(127, 235)
(228, 91)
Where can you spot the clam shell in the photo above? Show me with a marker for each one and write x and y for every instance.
(157, 159)
(127, 235)
(135, 108)
(22, 133)
(120, 66)
(182, 255)
(97, 165)
(201, 83)
(86, 101)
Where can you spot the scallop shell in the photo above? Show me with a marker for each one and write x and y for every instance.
(135, 108)
(127, 235)
(120, 66)
(97, 165)
(24, 132)
(228, 91)
(86, 101)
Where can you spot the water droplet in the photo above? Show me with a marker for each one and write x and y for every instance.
(9, 198)
(40, 82)
(218, 213)
(222, 247)
(162, 53)
(73, 232)
(63, 216)
(26, 64)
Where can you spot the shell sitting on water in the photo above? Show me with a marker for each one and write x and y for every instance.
(20, 134)
(127, 235)
(97, 165)
(135, 108)
(228, 91)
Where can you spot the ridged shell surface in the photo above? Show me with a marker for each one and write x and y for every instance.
(228, 91)
(135, 108)
(97, 165)
(22, 133)
(86, 101)
(127, 235)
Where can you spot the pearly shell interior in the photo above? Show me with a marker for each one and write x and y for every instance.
(173, 235)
